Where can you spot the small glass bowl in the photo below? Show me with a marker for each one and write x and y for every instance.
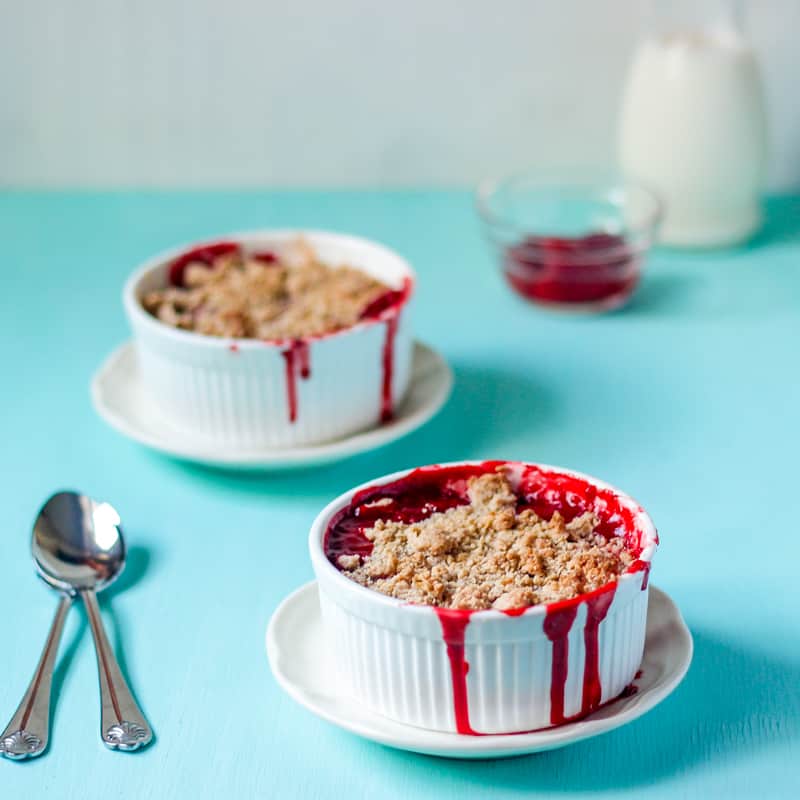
(570, 240)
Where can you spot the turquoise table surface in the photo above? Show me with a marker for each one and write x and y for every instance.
(688, 399)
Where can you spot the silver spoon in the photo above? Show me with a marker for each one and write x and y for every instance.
(78, 549)
(27, 733)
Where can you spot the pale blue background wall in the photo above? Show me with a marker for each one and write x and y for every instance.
(346, 93)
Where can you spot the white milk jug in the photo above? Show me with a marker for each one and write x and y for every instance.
(693, 128)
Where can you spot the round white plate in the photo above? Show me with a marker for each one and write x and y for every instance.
(121, 399)
(300, 663)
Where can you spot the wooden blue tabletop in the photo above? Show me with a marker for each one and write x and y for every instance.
(688, 399)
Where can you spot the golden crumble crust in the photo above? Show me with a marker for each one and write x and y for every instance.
(485, 554)
(246, 297)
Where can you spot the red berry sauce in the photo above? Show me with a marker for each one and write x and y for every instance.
(598, 270)
(557, 625)
(428, 490)
(387, 307)
(298, 361)
(204, 254)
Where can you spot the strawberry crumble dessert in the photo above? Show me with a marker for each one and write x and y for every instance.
(488, 552)
(222, 291)
(484, 597)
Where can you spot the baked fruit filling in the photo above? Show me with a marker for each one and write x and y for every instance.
(488, 548)
(219, 290)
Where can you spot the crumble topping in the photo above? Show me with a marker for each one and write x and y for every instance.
(485, 554)
(265, 296)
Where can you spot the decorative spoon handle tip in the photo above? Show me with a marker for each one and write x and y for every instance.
(122, 724)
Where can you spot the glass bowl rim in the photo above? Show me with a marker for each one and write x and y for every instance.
(576, 178)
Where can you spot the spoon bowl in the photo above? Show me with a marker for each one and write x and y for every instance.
(77, 543)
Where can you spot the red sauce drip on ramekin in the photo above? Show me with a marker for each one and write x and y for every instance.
(596, 609)
(557, 625)
(298, 361)
(454, 623)
(388, 307)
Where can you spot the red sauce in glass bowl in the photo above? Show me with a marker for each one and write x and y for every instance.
(598, 270)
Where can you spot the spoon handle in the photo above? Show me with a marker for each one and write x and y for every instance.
(122, 724)
(27, 734)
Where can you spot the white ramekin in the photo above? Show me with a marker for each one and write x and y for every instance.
(391, 656)
(235, 392)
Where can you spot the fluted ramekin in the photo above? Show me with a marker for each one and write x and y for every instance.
(490, 671)
(248, 393)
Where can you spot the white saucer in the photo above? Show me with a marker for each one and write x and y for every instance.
(120, 398)
(300, 665)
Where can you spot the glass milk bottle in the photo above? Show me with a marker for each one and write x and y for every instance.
(693, 123)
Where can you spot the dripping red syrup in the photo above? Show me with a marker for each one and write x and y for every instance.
(598, 270)
(557, 625)
(454, 623)
(596, 609)
(298, 362)
(297, 358)
(644, 568)
(387, 307)
(429, 490)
